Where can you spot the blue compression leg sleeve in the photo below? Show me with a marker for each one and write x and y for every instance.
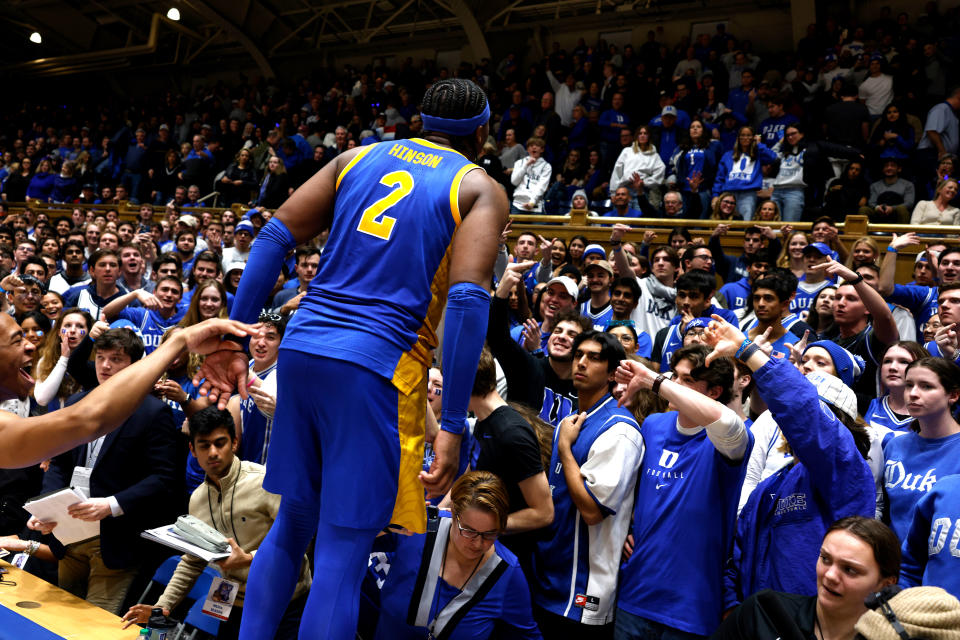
(464, 330)
(276, 566)
(266, 256)
(340, 562)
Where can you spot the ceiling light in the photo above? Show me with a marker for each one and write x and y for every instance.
(35, 37)
(174, 14)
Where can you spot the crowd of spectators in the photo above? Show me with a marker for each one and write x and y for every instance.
(786, 417)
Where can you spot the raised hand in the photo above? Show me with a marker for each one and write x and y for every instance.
(618, 231)
(531, 335)
(834, 268)
(946, 339)
(797, 348)
(225, 367)
(724, 337)
(512, 276)
(905, 240)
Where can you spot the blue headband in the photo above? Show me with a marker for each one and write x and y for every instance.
(456, 126)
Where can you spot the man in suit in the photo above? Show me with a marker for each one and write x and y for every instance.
(129, 476)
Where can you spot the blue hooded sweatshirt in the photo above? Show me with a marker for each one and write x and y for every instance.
(742, 174)
(783, 522)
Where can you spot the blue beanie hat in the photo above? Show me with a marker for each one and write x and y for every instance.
(849, 366)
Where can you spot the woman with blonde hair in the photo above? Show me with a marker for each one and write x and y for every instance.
(865, 251)
(639, 167)
(725, 207)
(939, 210)
(768, 211)
(791, 256)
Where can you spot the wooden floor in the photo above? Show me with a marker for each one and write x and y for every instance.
(60, 612)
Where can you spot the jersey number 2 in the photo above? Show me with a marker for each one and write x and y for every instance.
(374, 221)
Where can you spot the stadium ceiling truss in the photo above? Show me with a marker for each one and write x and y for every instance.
(100, 35)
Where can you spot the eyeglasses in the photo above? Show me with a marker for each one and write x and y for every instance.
(270, 317)
(470, 534)
(29, 293)
(704, 256)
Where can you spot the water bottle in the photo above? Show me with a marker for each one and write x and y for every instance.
(144, 634)
(159, 625)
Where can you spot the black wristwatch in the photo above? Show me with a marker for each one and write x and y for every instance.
(858, 279)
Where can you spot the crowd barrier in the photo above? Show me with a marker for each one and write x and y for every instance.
(597, 228)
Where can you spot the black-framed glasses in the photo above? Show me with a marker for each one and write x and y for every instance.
(471, 534)
(270, 317)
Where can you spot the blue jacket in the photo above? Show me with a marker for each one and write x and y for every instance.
(742, 174)
(41, 186)
(783, 522)
(930, 559)
(686, 162)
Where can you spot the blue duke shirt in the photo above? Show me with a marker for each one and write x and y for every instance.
(575, 564)
(912, 466)
(931, 551)
(683, 524)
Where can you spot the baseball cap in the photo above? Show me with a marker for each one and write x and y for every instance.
(834, 392)
(236, 266)
(821, 248)
(603, 264)
(669, 110)
(569, 285)
(188, 220)
(702, 323)
(594, 248)
(244, 225)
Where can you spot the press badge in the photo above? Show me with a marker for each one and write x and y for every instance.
(81, 480)
(220, 598)
(19, 560)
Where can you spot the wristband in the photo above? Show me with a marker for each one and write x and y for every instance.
(857, 280)
(243, 341)
(748, 353)
(655, 387)
(743, 345)
(892, 249)
(617, 249)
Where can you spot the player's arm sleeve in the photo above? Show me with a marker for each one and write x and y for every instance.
(609, 472)
(468, 308)
(915, 546)
(266, 256)
(764, 431)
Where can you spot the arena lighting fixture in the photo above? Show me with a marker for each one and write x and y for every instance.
(174, 14)
(36, 38)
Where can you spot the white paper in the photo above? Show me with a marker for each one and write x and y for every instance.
(165, 536)
(53, 508)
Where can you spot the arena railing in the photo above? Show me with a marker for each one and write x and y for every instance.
(597, 228)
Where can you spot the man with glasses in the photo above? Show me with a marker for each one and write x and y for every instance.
(697, 257)
(25, 297)
(593, 473)
(73, 273)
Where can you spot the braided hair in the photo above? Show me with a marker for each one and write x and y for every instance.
(457, 99)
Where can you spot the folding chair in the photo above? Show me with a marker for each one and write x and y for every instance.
(198, 621)
(161, 576)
